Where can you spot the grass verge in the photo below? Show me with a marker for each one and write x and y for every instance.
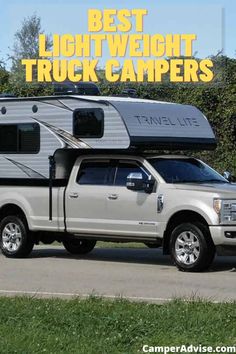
(99, 326)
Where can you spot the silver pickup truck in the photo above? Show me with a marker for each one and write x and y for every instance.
(175, 202)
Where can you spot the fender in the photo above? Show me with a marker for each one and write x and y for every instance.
(202, 209)
(20, 201)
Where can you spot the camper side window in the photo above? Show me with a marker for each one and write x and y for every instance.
(21, 138)
(88, 123)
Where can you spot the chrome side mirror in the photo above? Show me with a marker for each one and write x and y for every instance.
(137, 182)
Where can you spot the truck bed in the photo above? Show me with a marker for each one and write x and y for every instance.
(32, 196)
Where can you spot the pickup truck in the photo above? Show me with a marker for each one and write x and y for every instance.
(175, 202)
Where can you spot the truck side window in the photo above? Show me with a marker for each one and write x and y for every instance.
(124, 168)
(88, 123)
(94, 173)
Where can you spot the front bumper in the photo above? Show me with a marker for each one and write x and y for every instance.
(223, 235)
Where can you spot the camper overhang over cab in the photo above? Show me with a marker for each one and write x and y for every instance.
(31, 129)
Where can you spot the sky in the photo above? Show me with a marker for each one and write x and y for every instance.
(202, 17)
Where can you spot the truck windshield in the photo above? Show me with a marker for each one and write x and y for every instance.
(175, 170)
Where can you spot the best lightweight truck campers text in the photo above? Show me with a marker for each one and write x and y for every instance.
(121, 33)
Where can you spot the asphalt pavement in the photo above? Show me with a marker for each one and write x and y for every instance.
(134, 273)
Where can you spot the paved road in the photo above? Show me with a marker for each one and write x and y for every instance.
(134, 273)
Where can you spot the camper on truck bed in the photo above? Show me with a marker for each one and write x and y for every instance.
(101, 183)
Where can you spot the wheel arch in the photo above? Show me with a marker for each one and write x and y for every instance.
(178, 218)
(12, 209)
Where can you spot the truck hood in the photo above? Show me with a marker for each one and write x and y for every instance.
(226, 189)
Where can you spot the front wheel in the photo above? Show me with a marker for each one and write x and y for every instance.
(78, 246)
(15, 239)
(192, 248)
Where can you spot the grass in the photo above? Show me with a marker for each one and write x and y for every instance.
(99, 326)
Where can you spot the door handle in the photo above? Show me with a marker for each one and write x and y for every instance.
(73, 195)
(113, 196)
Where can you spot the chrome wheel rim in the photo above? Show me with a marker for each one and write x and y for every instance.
(187, 248)
(11, 237)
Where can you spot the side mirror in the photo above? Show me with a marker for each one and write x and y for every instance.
(227, 175)
(136, 182)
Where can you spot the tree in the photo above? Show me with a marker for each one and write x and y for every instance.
(26, 45)
(4, 74)
(2, 64)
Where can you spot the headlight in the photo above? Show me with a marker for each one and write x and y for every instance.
(226, 209)
(217, 204)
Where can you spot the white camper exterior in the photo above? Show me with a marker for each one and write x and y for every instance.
(31, 129)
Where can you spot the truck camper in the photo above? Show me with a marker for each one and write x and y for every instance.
(78, 170)
(31, 129)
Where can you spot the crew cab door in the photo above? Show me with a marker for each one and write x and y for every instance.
(131, 213)
(85, 200)
(97, 201)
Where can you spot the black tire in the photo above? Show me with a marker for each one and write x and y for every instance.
(151, 244)
(11, 245)
(192, 256)
(78, 246)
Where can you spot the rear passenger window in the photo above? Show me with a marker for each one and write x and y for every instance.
(124, 169)
(94, 173)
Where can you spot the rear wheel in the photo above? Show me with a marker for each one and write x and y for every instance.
(191, 246)
(78, 246)
(15, 238)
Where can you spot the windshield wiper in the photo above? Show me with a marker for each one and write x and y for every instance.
(214, 180)
(201, 181)
(186, 181)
